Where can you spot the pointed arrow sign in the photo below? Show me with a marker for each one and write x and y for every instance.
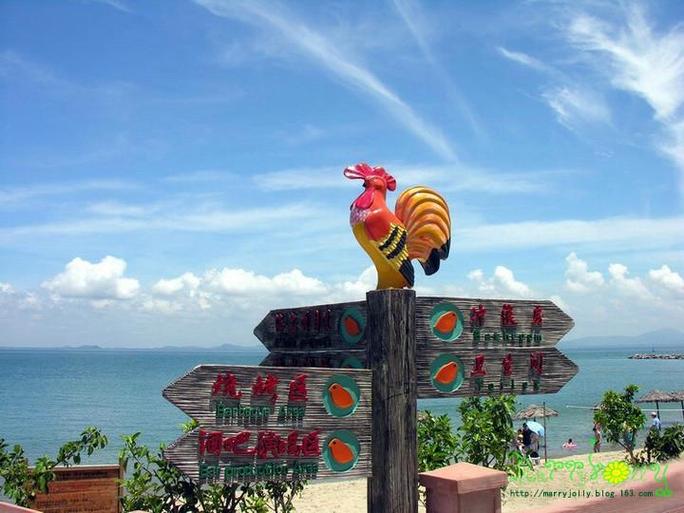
(266, 423)
(331, 335)
(470, 347)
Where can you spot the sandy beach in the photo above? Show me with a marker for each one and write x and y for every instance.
(575, 475)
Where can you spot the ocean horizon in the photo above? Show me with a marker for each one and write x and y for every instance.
(47, 396)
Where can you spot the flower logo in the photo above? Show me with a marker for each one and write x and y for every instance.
(616, 472)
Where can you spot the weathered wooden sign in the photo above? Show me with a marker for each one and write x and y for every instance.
(82, 489)
(319, 336)
(272, 423)
(469, 347)
(465, 346)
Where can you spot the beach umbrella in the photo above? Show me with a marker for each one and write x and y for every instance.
(532, 412)
(657, 397)
(679, 395)
(535, 427)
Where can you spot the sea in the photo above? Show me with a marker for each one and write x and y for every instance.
(47, 397)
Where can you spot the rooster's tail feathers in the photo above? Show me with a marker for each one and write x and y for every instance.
(426, 217)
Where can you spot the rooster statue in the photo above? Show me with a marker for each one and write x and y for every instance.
(419, 228)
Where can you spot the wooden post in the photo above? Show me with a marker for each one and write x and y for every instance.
(545, 433)
(392, 358)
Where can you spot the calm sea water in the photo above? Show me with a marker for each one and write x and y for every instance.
(47, 397)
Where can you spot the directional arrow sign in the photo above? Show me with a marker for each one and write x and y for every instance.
(319, 336)
(271, 423)
(469, 347)
(465, 346)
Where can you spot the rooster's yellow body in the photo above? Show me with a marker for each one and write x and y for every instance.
(419, 228)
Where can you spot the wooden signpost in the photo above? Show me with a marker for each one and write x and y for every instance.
(82, 489)
(273, 423)
(464, 346)
(394, 348)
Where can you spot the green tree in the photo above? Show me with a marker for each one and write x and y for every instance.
(154, 485)
(21, 482)
(486, 433)
(620, 419)
(437, 442)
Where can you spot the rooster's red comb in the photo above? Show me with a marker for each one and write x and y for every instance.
(363, 171)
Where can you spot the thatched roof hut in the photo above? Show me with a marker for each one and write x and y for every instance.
(657, 397)
(533, 411)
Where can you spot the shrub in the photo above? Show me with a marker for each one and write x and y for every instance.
(157, 486)
(21, 482)
(666, 445)
(436, 442)
(486, 434)
(621, 419)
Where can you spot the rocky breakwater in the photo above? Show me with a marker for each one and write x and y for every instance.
(645, 356)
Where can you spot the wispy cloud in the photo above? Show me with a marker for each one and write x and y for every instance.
(642, 61)
(200, 176)
(576, 106)
(119, 218)
(523, 58)
(116, 4)
(414, 19)
(447, 178)
(609, 234)
(325, 53)
(11, 196)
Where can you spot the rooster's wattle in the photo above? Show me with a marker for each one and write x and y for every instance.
(419, 228)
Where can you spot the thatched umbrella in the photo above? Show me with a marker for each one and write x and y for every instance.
(657, 397)
(532, 412)
(679, 396)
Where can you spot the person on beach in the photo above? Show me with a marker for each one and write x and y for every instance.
(597, 437)
(520, 444)
(527, 437)
(569, 445)
(655, 423)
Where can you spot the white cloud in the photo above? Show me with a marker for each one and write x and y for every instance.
(102, 280)
(626, 285)
(501, 283)
(186, 281)
(242, 282)
(560, 303)
(325, 52)
(574, 106)
(161, 306)
(578, 277)
(668, 279)
(642, 61)
(522, 58)
(6, 288)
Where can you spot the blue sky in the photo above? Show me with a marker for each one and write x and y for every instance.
(170, 171)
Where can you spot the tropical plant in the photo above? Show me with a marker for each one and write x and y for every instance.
(437, 442)
(21, 482)
(486, 434)
(156, 486)
(666, 445)
(620, 419)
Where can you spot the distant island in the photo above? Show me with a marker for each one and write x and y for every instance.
(223, 348)
(654, 356)
(663, 340)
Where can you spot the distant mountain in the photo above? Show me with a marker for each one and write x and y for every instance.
(665, 338)
(223, 348)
